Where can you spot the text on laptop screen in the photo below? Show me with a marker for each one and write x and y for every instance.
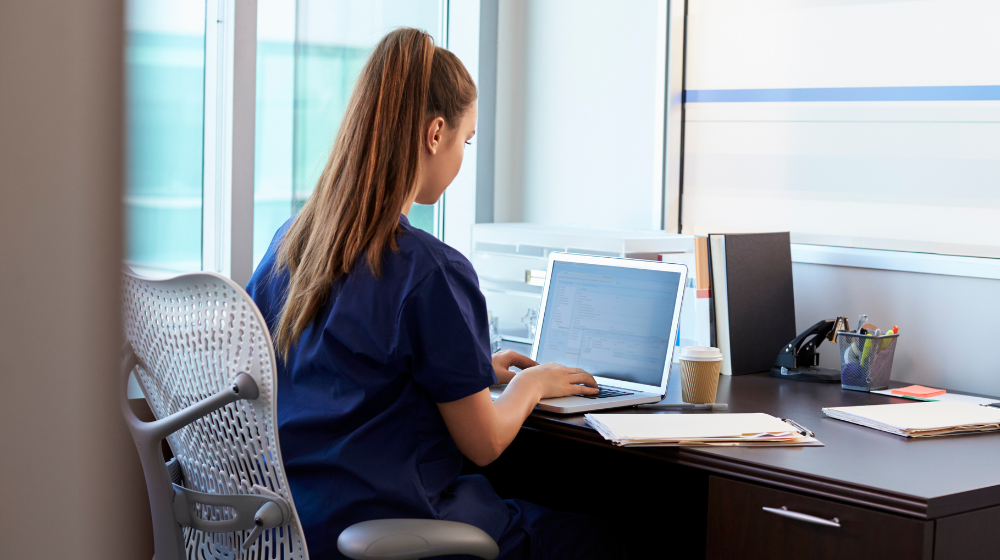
(611, 321)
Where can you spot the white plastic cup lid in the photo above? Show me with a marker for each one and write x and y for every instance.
(700, 354)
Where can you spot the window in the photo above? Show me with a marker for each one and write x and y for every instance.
(185, 192)
(309, 55)
(165, 81)
(862, 124)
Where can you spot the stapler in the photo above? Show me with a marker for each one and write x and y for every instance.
(799, 360)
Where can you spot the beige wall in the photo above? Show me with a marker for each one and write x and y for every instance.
(71, 485)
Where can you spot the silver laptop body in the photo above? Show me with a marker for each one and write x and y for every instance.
(615, 318)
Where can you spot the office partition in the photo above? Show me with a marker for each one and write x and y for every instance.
(853, 123)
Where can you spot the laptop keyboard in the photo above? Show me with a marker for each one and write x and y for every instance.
(607, 392)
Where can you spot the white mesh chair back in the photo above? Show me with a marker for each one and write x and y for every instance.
(192, 337)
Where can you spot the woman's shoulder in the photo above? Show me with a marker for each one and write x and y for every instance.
(267, 282)
(430, 253)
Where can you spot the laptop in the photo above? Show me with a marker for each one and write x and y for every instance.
(615, 318)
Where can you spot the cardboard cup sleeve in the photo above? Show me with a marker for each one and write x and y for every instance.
(699, 380)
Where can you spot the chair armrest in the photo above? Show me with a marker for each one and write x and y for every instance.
(405, 539)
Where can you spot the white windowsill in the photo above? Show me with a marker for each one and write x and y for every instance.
(925, 263)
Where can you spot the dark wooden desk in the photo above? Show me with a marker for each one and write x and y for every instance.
(894, 497)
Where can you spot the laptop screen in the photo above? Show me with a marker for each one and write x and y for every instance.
(611, 321)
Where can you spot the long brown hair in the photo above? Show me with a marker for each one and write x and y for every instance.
(371, 171)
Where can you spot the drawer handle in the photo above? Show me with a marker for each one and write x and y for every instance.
(784, 512)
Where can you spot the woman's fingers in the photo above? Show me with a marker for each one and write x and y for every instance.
(500, 358)
(584, 390)
(561, 381)
(513, 359)
(582, 379)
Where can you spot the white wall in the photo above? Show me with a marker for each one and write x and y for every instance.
(947, 323)
(580, 112)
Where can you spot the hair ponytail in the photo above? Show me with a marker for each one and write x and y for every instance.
(370, 174)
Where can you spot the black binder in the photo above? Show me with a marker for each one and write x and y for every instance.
(761, 298)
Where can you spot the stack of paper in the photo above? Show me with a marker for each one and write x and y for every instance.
(922, 419)
(757, 430)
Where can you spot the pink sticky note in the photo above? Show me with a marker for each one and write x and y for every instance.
(918, 391)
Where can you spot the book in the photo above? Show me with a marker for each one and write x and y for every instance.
(921, 419)
(701, 263)
(720, 288)
(695, 326)
(753, 298)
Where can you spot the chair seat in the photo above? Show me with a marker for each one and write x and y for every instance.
(404, 539)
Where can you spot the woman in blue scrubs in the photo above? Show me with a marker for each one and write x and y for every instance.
(384, 357)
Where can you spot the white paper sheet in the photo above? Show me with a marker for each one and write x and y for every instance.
(912, 418)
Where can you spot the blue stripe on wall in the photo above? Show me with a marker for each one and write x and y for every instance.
(916, 93)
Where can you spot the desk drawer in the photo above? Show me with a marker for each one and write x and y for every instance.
(739, 527)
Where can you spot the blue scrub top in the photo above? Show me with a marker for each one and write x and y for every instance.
(360, 434)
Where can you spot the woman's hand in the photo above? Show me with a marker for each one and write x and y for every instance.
(553, 380)
(506, 359)
(483, 429)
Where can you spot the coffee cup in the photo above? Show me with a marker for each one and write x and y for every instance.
(700, 367)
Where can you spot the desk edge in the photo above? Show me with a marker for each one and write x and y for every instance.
(882, 500)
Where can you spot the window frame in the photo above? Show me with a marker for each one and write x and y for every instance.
(230, 113)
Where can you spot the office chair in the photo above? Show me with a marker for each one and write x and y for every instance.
(201, 352)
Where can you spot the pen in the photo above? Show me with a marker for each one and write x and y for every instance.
(799, 427)
(686, 406)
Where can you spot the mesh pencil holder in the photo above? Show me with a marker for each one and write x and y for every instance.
(866, 360)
